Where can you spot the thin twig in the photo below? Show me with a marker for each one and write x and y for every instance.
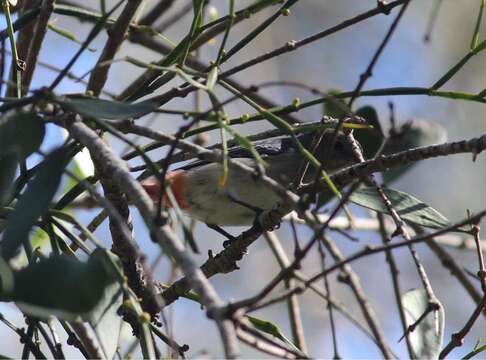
(116, 36)
(292, 301)
(89, 343)
(457, 339)
(482, 271)
(38, 38)
(161, 234)
(156, 12)
(353, 281)
(329, 307)
(394, 273)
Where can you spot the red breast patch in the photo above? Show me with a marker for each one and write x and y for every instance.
(176, 181)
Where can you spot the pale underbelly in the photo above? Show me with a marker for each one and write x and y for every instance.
(208, 202)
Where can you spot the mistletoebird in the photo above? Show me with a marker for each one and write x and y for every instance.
(198, 193)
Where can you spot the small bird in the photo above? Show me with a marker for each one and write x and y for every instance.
(197, 190)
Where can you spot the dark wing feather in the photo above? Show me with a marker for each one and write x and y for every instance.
(266, 148)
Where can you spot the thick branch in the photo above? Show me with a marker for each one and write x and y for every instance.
(161, 234)
(116, 37)
(382, 163)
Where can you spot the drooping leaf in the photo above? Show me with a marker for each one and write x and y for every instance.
(408, 207)
(21, 131)
(412, 134)
(6, 279)
(426, 339)
(8, 166)
(33, 203)
(21, 134)
(270, 328)
(104, 317)
(66, 34)
(334, 107)
(105, 109)
(62, 286)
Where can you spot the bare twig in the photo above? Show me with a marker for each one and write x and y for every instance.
(37, 40)
(87, 340)
(161, 234)
(292, 302)
(482, 271)
(116, 37)
(394, 272)
(353, 281)
(457, 339)
(156, 12)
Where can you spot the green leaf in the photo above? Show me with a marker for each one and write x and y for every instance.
(104, 317)
(480, 47)
(476, 351)
(370, 139)
(81, 166)
(66, 34)
(105, 109)
(6, 279)
(212, 78)
(21, 131)
(270, 328)
(39, 238)
(412, 134)
(63, 286)
(334, 107)
(245, 143)
(426, 339)
(408, 207)
(8, 164)
(33, 203)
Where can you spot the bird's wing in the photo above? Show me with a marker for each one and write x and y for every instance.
(266, 148)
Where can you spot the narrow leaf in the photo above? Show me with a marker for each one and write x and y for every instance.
(212, 78)
(426, 339)
(408, 207)
(476, 351)
(270, 328)
(33, 203)
(334, 107)
(8, 166)
(480, 47)
(66, 34)
(105, 109)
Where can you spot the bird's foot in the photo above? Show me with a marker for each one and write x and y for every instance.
(270, 220)
(230, 238)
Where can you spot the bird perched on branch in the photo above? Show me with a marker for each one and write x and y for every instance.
(197, 190)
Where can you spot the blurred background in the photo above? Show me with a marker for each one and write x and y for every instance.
(451, 185)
